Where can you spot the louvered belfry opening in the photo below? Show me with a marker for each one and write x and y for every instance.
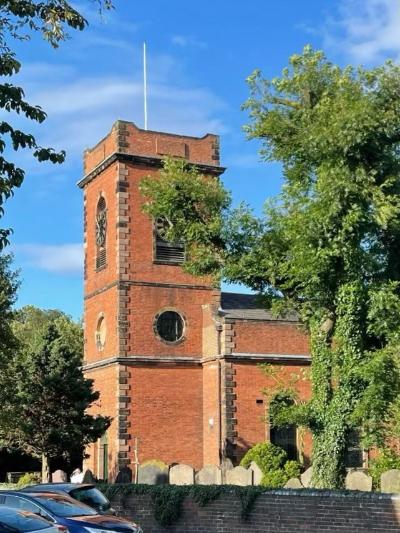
(166, 251)
(101, 233)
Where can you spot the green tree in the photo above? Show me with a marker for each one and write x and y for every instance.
(51, 395)
(328, 246)
(19, 20)
(8, 342)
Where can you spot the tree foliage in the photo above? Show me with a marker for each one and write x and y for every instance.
(19, 20)
(328, 246)
(48, 410)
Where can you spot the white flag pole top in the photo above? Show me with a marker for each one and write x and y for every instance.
(145, 85)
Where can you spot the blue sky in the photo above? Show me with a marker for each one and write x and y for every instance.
(199, 55)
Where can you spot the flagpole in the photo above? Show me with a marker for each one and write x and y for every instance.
(145, 85)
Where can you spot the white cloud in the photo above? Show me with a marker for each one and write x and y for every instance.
(187, 40)
(80, 112)
(368, 31)
(60, 259)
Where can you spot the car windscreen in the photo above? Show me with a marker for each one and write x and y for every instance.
(18, 520)
(63, 505)
(91, 496)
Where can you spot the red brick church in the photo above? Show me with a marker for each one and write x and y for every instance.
(177, 362)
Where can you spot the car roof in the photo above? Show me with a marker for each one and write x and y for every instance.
(58, 486)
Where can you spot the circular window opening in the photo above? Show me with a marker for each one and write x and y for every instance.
(170, 326)
(101, 332)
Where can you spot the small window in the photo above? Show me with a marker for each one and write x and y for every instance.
(169, 326)
(354, 453)
(284, 436)
(101, 332)
(101, 233)
(166, 251)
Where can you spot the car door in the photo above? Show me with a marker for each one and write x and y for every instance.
(16, 502)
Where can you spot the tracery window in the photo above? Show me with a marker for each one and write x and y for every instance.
(101, 233)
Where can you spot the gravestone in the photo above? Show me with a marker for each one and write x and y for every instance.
(357, 480)
(305, 478)
(294, 483)
(209, 475)
(77, 476)
(124, 475)
(257, 473)
(88, 477)
(181, 475)
(239, 476)
(59, 476)
(390, 481)
(150, 474)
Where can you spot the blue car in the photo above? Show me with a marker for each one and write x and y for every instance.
(62, 510)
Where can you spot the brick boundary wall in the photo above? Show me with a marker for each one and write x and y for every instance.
(275, 511)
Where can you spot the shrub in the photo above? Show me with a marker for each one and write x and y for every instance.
(272, 461)
(386, 460)
(29, 478)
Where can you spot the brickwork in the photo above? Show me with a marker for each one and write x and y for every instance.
(105, 380)
(125, 137)
(251, 412)
(166, 413)
(253, 336)
(276, 511)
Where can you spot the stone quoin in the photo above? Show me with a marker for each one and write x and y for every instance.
(175, 360)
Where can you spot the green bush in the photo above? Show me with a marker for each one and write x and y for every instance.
(386, 460)
(272, 461)
(30, 478)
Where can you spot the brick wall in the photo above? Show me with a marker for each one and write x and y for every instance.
(276, 511)
(250, 405)
(166, 413)
(269, 337)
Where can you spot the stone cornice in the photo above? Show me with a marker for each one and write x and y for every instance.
(148, 161)
(124, 283)
(163, 360)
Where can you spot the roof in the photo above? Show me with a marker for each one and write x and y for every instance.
(247, 307)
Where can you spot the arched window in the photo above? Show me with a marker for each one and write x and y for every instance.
(283, 436)
(165, 250)
(101, 233)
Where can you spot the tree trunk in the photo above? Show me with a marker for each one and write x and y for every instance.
(45, 469)
(328, 456)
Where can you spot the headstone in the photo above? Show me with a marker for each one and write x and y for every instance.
(150, 474)
(305, 478)
(124, 475)
(77, 476)
(88, 477)
(257, 473)
(59, 476)
(181, 475)
(209, 475)
(294, 483)
(357, 480)
(239, 476)
(390, 481)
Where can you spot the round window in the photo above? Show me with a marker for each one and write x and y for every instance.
(169, 326)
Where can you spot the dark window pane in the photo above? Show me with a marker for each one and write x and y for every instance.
(354, 454)
(284, 436)
(169, 326)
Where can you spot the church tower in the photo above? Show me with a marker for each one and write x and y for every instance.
(149, 327)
